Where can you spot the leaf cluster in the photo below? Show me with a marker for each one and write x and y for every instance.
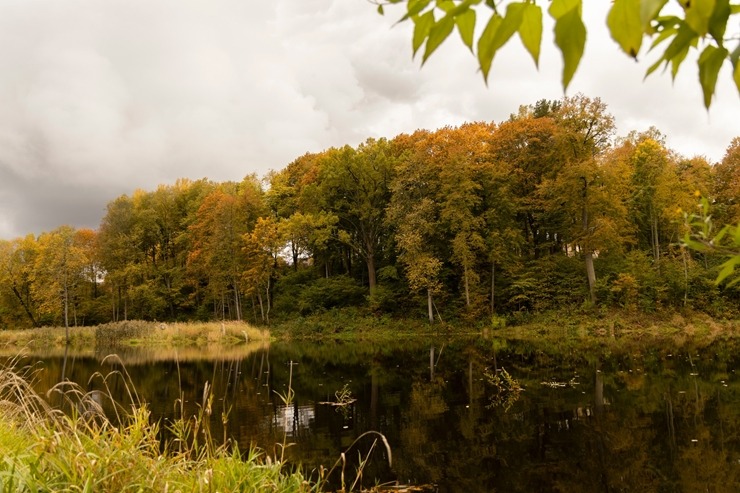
(679, 26)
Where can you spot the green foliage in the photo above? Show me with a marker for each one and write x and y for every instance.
(702, 237)
(505, 388)
(462, 224)
(114, 333)
(678, 25)
(334, 292)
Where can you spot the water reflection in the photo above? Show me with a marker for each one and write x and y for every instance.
(602, 418)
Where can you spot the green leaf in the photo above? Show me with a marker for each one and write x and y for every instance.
(558, 8)
(653, 67)
(570, 36)
(437, 34)
(698, 13)
(727, 269)
(663, 35)
(530, 30)
(681, 41)
(679, 57)
(422, 25)
(736, 75)
(445, 5)
(649, 10)
(683, 37)
(485, 45)
(509, 26)
(625, 25)
(380, 10)
(416, 6)
(413, 8)
(466, 27)
(710, 61)
(718, 20)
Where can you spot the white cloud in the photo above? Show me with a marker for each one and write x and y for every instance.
(101, 97)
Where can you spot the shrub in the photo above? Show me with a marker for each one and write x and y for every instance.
(332, 292)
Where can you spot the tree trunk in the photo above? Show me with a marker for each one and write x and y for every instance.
(66, 309)
(25, 306)
(429, 306)
(493, 288)
(655, 240)
(467, 287)
(371, 279)
(470, 382)
(267, 313)
(591, 274)
(685, 277)
(237, 303)
(588, 251)
(262, 307)
(431, 363)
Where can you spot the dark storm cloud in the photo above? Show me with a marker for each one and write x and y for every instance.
(45, 205)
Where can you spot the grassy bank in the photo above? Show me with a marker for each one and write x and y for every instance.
(354, 325)
(136, 333)
(623, 324)
(44, 449)
(351, 324)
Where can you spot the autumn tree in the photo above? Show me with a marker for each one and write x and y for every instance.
(583, 184)
(354, 186)
(726, 185)
(651, 180)
(17, 264)
(119, 253)
(261, 248)
(529, 150)
(58, 272)
(415, 217)
(223, 218)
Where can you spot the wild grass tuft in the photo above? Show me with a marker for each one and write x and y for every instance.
(44, 449)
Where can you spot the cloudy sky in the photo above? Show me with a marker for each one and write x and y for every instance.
(100, 97)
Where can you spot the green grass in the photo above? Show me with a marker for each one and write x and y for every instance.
(351, 324)
(43, 449)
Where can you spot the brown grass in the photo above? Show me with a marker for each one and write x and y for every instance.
(132, 333)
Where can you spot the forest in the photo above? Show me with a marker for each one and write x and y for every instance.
(546, 210)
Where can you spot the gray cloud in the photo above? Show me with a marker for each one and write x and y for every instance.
(99, 98)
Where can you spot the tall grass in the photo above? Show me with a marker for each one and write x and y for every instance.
(45, 449)
(136, 333)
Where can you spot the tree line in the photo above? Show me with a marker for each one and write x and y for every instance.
(545, 210)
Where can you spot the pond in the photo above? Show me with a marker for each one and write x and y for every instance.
(461, 415)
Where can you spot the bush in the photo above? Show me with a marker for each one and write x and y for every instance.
(332, 292)
(112, 334)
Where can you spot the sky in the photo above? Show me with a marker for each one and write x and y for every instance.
(101, 97)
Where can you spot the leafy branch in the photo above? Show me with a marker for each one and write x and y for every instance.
(678, 25)
(703, 237)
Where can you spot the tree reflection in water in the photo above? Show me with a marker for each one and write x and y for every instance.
(604, 419)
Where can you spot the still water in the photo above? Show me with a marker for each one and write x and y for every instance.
(608, 417)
